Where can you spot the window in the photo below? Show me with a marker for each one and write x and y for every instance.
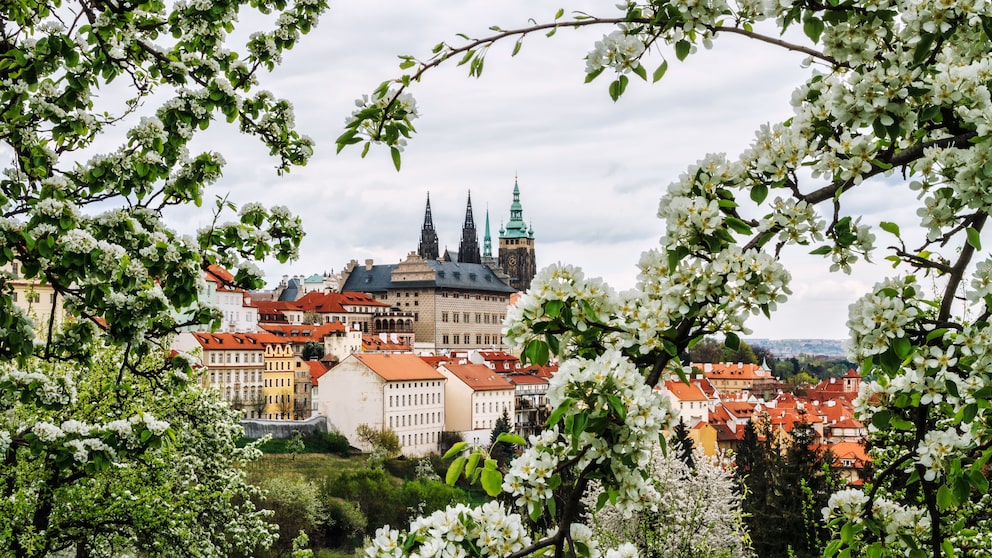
(468, 339)
(478, 339)
(466, 317)
(478, 318)
(455, 317)
(444, 316)
(444, 339)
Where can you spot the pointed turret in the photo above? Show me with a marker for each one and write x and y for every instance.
(516, 227)
(487, 241)
(468, 250)
(428, 236)
(516, 245)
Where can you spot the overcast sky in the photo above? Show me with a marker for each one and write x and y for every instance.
(590, 171)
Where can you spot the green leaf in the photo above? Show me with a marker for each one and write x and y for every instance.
(472, 463)
(455, 470)
(945, 497)
(889, 227)
(660, 71)
(979, 481)
(732, 341)
(822, 250)
(881, 419)
(759, 192)
(682, 48)
(922, 51)
(974, 239)
(617, 87)
(641, 72)
(396, 157)
(511, 438)
(553, 308)
(813, 27)
(902, 347)
(516, 47)
(537, 352)
(492, 482)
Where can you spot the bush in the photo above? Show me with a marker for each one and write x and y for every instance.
(296, 507)
(345, 526)
(374, 491)
(322, 442)
(423, 497)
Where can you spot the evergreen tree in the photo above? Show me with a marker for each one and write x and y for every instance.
(682, 444)
(502, 452)
(785, 485)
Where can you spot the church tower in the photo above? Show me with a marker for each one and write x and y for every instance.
(516, 246)
(487, 242)
(468, 250)
(428, 236)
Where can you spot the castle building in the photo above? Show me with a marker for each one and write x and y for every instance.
(516, 246)
(456, 306)
(516, 263)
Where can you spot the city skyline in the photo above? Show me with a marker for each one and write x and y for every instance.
(590, 171)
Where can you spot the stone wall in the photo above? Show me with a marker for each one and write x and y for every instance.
(257, 428)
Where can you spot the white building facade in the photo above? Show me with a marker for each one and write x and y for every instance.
(396, 391)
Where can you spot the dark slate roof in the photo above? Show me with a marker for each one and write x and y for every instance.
(449, 275)
(292, 291)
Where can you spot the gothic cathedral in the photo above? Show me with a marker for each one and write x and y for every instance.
(517, 262)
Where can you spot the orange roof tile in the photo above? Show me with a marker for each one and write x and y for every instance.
(479, 377)
(317, 369)
(685, 392)
(735, 370)
(376, 343)
(399, 367)
(323, 302)
(302, 333)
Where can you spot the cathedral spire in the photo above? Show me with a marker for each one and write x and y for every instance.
(487, 240)
(468, 250)
(428, 236)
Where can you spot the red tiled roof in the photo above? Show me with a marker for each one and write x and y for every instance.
(303, 333)
(317, 369)
(327, 303)
(735, 370)
(479, 377)
(227, 341)
(375, 343)
(399, 367)
(685, 392)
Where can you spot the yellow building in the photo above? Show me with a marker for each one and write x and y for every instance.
(280, 376)
(235, 367)
(37, 298)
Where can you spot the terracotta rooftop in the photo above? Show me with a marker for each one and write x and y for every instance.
(317, 369)
(301, 333)
(325, 303)
(399, 367)
(479, 377)
(227, 341)
(372, 342)
(685, 392)
(733, 370)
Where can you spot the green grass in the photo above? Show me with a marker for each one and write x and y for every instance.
(308, 466)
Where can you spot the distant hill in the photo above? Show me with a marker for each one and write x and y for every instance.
(784, 348)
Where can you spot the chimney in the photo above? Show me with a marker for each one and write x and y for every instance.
(368, 264)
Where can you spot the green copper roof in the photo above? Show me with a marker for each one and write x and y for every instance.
(487, 241)
(516, 228)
